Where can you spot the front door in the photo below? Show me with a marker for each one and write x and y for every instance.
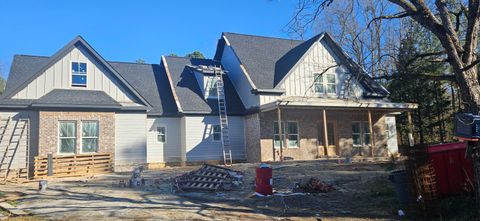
(331, 148)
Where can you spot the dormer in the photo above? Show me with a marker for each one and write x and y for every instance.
(207, 79)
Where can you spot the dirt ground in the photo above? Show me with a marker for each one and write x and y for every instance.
(362, 193)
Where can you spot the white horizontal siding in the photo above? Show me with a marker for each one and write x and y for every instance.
(170, 151)
(58, 76)
(130, 139)
(20, 157)
(237, 76)
(199, 140)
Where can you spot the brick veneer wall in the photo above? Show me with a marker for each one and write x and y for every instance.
(308, 123)
(48, 130)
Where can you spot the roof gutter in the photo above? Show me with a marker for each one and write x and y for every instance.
(268, 91)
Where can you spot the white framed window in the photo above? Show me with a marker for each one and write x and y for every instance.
(318, 83)
(79, 74)
(324, 83)
(90, 136)
(210, 86)
(361, 134)
(276, 134)
(216, 133)
(161, 134)
(67, 137)
(293, 135)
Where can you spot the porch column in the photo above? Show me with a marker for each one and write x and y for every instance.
(372, 138)
(410, 129)
(325, 132)
(279, 115)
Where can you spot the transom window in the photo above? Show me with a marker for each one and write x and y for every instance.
(89, 136)
(217, 132)
(67, 133)
(79, 74)
(324, 83)
(210, 83)
(161, 135)
(361, 134)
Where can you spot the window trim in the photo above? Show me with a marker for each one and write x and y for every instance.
(334, 83)
(60, 138)
(213, 133)
(82, 137)
(164, 134)
(284, 134)
(288, 134)
(324, 84)
(205, 84)
(361, 134)
(78, 86)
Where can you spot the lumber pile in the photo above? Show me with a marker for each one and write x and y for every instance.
(208, 178)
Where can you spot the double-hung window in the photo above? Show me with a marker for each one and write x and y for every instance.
(216, 133)
(324, 83)
(276, 134)
(361, 134)
(292, 134)
(210, 84)
(67, 134)
(79, 74)
(89, 136)
(161, 135)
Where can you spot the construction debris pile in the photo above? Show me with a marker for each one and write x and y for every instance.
(208, 178)
(314, 185)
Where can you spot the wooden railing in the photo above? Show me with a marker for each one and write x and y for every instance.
(74, 165)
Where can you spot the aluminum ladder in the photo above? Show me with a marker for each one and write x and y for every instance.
(12, 132)
(222, 111)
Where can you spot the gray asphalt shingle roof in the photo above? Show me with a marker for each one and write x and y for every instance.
(67, 97)
(268, 60)
(148, 79)
(189, 92)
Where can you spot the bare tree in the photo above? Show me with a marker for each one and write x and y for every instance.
(455, 23)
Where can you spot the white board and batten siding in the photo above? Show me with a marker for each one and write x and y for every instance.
(199, 141)
(238, 77)
(170, 150)
(58, 76)
(130, 139)
(299, 81)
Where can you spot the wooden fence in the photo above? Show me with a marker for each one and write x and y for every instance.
(74, 165)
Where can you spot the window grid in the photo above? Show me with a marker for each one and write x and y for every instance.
(161, 135)
(216, 133)
(361, 134)
(276, 135)
(293, 134)
(90, 136)
(79, 70)
(324, 83)
(66, 138)
(210, 87)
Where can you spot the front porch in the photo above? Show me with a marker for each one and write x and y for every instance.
(317, 128)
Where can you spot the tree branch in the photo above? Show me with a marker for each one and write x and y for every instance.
(394, 16)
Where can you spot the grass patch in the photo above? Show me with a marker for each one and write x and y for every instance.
(2, 194)
(381, 188)
(457, 208)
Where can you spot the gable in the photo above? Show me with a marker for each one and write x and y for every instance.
(321, 60)
(58, 76)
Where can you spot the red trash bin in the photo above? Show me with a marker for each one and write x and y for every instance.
(263, 180)
(452, 171)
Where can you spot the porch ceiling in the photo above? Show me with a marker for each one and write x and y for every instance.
(328, 103)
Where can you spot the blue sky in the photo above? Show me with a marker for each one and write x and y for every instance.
(128, 30)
